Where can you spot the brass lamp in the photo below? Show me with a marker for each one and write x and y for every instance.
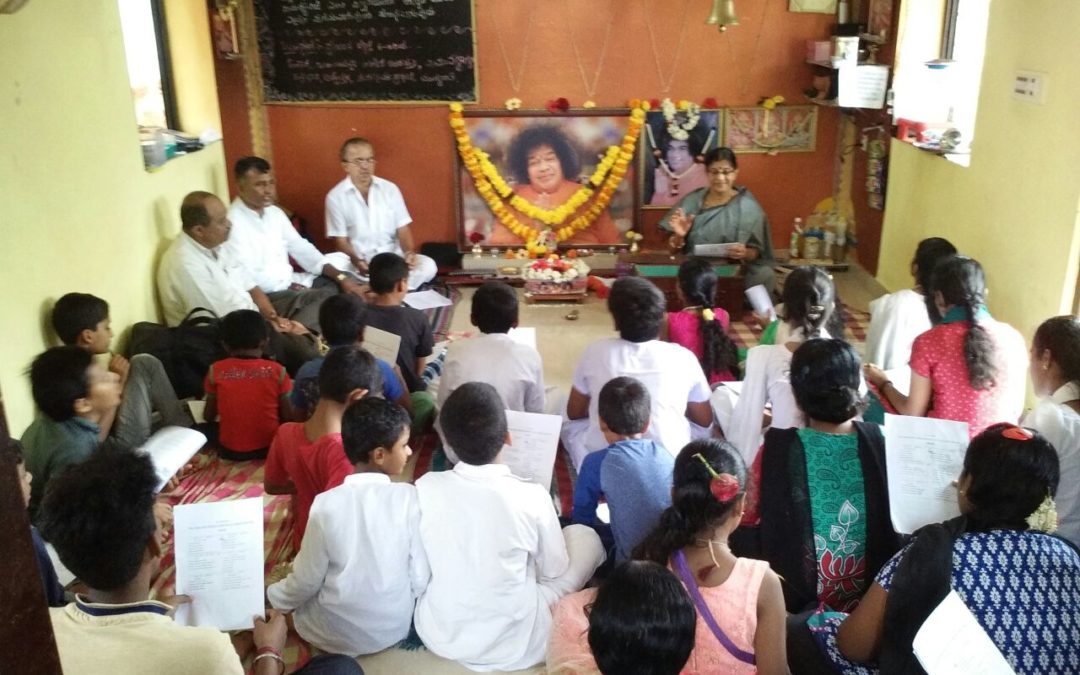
(723, 14)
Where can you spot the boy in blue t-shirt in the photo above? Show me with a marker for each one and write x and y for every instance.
(633, 473)
(342, 319)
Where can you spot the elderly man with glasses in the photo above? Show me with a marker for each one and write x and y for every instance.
(366, 215)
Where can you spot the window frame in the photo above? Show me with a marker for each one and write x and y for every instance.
(168, 85)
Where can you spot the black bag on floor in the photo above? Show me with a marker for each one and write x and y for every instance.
(186, 351)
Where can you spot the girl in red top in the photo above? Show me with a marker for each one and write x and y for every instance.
(701, 327)
(969, 367)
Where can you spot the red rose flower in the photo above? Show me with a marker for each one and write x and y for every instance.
(476, 237)
(710, 103)
(558, 105)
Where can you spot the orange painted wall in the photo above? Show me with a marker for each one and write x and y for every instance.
(762, 56)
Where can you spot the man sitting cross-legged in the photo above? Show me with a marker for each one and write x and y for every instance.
(263, 239)
(197, 270)
(99, 516)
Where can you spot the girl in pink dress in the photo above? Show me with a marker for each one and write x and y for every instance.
(969, 367)
(739, 602)
(699, 326)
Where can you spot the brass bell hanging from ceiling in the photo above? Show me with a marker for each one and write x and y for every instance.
(723, 14)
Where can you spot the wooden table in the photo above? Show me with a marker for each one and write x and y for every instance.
(662, 269)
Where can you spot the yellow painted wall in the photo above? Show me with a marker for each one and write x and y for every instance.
(1015, 209)
(79, 211)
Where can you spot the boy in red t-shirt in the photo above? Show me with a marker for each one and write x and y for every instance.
(307, 458)
(249, 393)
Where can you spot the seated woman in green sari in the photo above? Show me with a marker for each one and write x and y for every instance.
(724, 214)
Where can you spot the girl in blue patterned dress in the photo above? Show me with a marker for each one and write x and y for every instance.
(1021, 583)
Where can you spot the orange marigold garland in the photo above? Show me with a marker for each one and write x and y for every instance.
(498, 194)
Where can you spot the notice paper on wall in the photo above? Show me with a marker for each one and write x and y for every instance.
(862, 86)
(952, 642)
(382, 344)
(219, 563)
(534, 438)
(170, 449)
(923, 456)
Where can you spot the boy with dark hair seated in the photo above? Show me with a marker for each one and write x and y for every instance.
(632, 472)
(100, 519)
(248, 392)
(389, 280)
(307, 458)
(73, 395)
(342, 318)
(498, 558)
(82, 320)
(54, 592)
(514, 369)
(671, 373)
(354, 584)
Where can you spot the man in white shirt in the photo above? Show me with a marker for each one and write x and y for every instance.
(197, 271)
(263, 239)
(366, 215)
(672, 374)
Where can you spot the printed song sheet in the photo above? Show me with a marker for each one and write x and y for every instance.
(924, 456)
(760, 301)
(170, 449)
(713, 250)
(382, 344)
(427, 300)
(951, 642)
(219, 563)
(534, 438)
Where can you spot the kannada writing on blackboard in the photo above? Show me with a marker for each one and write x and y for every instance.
(367, 50)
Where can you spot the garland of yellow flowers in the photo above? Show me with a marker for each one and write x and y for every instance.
(497, 193)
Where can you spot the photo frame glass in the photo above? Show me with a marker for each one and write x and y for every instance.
(545, 159)
(671, 166)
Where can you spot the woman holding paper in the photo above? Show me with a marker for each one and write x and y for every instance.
(818, 494)
(1021, 585)
(724, 213)
(969, 367)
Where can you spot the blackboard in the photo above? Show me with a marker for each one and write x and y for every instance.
(367, 50)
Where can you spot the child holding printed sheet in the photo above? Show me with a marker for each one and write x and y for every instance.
(514, 369)
(361, 565)
(498, 558)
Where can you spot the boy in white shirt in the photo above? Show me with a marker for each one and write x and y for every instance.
(514, 369)
(361, 566)
(499, 560)
(670, 372)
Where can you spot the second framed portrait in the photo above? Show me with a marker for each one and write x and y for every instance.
(672, 154)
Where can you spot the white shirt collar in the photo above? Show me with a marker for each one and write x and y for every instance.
(482, 471)
(238, 202)
(1070, 391)
(208, 252)
(366, 477)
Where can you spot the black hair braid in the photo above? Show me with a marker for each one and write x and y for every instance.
(718, 351)
(672, 533)
(979, 349)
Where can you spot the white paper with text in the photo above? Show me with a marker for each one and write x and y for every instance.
(219, 563)
(923, 456)
(427, 300)
(534, 438)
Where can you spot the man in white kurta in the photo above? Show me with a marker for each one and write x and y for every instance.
(263, 239)
(366, 215)
(199, 271)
